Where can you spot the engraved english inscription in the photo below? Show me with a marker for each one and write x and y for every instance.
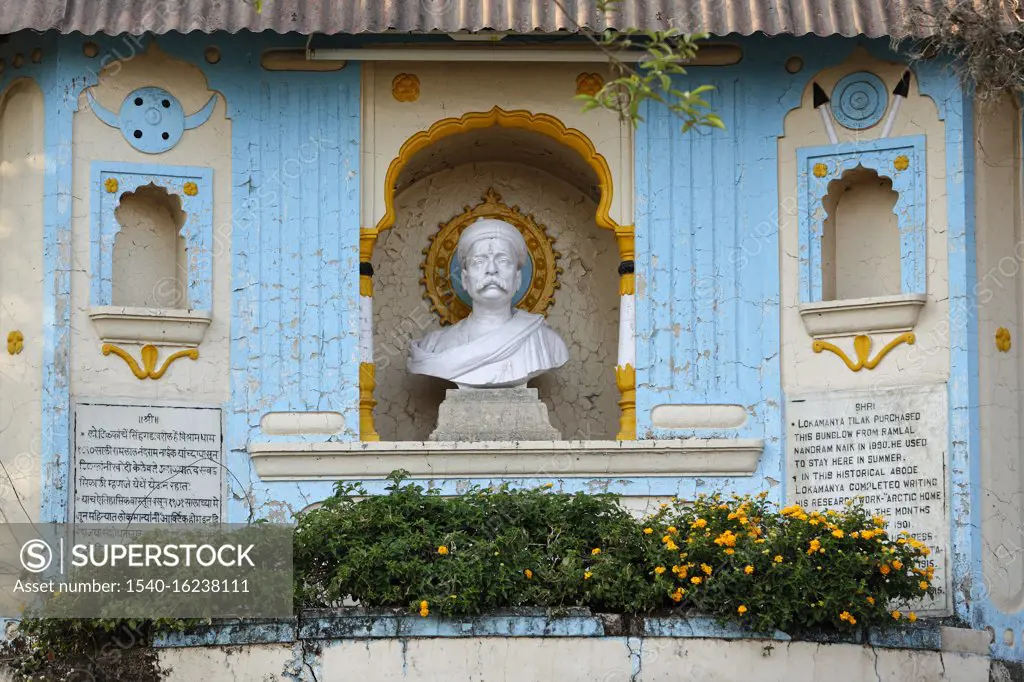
(886, 447)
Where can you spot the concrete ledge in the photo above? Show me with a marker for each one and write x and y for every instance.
(878, 315)
(158, 326)
(355, 623)
(544, 459)
(965, 641)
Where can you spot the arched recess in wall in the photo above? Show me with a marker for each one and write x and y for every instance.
(538, 141)
(150, 263)
(861, 237)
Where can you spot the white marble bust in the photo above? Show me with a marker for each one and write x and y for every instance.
(497, 346)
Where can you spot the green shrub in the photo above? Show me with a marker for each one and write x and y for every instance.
(788, 569)
(739, 559)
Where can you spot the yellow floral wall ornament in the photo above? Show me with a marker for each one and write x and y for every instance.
(405, 87)
(862, 349)
(15, 342)
(589, 84)
(191, 189)
(150, 353)
(1003, 340)
(110, 184)
(901, 162)
(820, 170)
(440, 271)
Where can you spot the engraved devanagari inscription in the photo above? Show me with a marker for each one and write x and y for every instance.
(147, 464)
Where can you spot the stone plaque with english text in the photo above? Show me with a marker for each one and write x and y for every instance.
(887, 447)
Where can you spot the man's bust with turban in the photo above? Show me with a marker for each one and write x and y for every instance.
(497, 345)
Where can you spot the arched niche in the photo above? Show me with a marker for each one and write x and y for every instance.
(860, 237)
(150, 264)
(549, 172)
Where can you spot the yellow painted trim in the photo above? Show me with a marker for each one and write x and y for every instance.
(367, 240)
(627, 284)
(149, 359)
(862, 348)
(1003, 341)
(15, 342)
(367, 383)
(625, 236)
(405, 87)
(365, 285)
(625, 380)
(544, 124)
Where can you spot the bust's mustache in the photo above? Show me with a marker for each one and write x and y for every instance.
(491, 282)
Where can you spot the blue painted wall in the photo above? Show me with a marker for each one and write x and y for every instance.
(295, 255)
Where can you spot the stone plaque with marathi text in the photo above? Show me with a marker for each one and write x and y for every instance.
(146, 464)
(887, 447)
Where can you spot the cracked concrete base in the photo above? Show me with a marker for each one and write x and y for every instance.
(608, 659)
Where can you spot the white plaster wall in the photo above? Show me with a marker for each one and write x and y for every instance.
(1000, 254)
(204, 380)
(453, 89)
(581, 396)
(609, 659)
(928, 360)
(21, 298)
(861, 239)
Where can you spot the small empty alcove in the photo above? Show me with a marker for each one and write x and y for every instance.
(150, 260)
(860, 249)
(863, 229)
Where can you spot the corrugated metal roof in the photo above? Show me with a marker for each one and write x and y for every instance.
(797, 17)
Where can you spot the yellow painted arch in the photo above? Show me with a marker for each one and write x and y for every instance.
(544, 124)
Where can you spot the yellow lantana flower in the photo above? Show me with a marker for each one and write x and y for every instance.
(696, 580)
(741, 609)
(778, 559)
(897, 564)
(837, 533)
(648, 531)
(442, 549)
(587, 575)
(911, 616)
(706, 569)
(871, 600)
(659, 569)
(595, 551)
(896, 615)
(748, 569)
(529, 574)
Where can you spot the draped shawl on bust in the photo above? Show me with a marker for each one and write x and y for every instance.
(512, 354)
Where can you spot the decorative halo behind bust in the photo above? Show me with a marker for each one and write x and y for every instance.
(442, 274)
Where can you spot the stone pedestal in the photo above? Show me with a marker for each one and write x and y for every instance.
(495, 414)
